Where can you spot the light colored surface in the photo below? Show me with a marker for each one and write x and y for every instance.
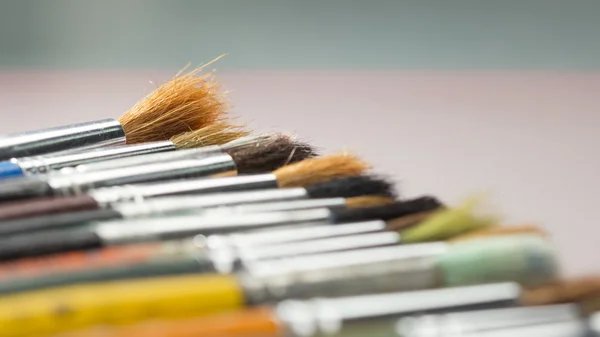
(530, 139)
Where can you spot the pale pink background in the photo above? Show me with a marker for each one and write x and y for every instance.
(528, 138)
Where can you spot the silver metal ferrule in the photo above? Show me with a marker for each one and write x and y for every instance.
(367, 315)
(255, 253)
(103, 132)
(468, 322)
(343, 273)
(144, 159)
(168, 227)
(572, 328)
(85, 181)
(199, 203)
(274, 236)
(279, 206)
(139, 192)
(45, 164)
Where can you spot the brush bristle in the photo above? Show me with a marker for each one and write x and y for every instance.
(563, 291)
(446, 224)
(214, 134)
(499, 231)
(527, 259)
(352, 187)
(368, 201)
(186, 102)
(318, 170)
(269, 155)
(408, 221)
(386, 212)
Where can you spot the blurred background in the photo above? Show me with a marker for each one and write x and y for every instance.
(447, 97)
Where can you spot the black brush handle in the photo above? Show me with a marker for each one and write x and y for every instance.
(56, 221)
(23, 188)
(45, 243)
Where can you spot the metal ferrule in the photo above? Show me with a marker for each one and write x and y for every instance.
(283, 206)
(119, 232)
(145, 159)
(228, 258)
(256, 253)
(491, 319)
(369, 315)
(343, 273)
(103, 132)
(187, 203)
(226, 251)
(82, 182)
(573, 328)
(273, 236)
(108, 196)
(47, 163)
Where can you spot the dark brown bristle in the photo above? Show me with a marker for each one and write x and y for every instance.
(408, 221)
(186, 102)
(368, 201)
(215, 134)
(269, 155)
(318, 170)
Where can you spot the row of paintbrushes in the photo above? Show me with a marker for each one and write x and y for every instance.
(214, 232)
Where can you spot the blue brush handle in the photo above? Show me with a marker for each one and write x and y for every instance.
(10, 170)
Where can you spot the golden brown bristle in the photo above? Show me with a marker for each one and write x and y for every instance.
(215, 134)
(563, 291)
(317, 170)
(407, 221)
(499, 231)
(368, 201)
(186, 102)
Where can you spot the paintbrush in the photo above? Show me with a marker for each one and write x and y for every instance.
(111, 233)
(216, 134)
(364, 315)
(333, 274)
(265, 144)
(186, 102)
(172, 258)
(351, 188)
(277, 152)
(215, 252)
(190, 255)
(500, 322)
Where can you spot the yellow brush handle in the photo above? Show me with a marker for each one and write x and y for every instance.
(122, 302)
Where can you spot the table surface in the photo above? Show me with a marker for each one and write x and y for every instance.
(528, 139)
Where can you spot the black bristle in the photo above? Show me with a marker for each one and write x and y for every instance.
(387, 212)
(352, 187)
(271, 155)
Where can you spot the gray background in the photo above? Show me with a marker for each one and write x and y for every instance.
(426, 34)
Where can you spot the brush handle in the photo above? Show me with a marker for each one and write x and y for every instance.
(23, 188)
(44, 243)
(10, 169)
(45, 206)
(101, 133)
(58, 221)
